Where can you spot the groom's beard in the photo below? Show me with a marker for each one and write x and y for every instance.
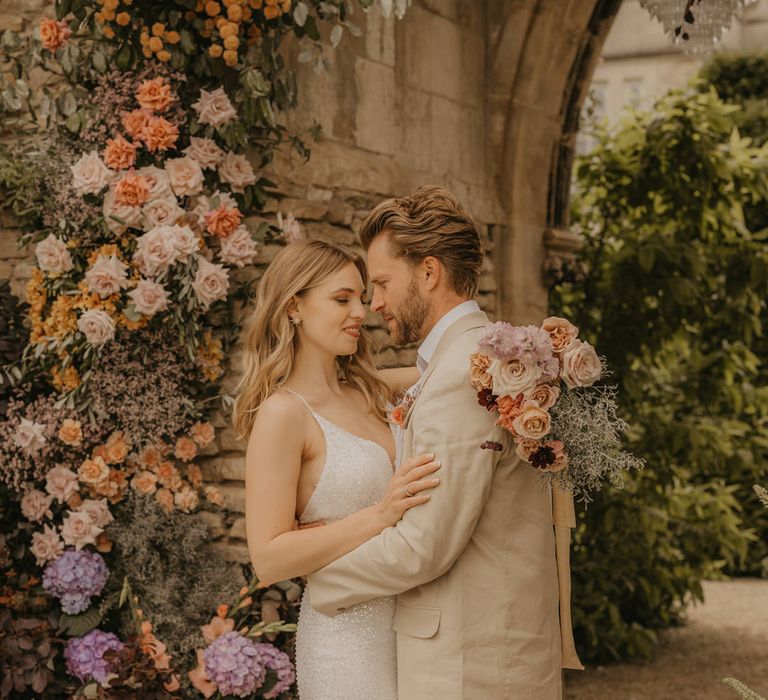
(410, 317)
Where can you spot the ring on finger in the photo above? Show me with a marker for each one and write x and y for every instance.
(407, 492)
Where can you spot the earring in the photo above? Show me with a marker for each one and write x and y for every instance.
(295, 320)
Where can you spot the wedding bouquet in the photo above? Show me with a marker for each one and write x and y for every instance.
(542, 383)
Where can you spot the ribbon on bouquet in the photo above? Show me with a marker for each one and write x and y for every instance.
(564, 518)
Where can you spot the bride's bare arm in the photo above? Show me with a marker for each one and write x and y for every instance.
(399, 379)
(272, 468)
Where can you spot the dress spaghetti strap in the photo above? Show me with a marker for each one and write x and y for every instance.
(299, 397)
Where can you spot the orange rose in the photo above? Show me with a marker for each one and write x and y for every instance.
(397, 415)
(144, 482)
(135, 121)
(93, 471)
(159, 134)
(222, 221)
(71, 432)
(150, 457)
(202, 433)
(119, 153)
(99, 451)
(54, 34)
(165, 498)
(509, 409)
(154, 94)
(116, 448)
(186, 449)
(132, 190)
(195, 475)
(169, 476)
(561, 331)
(478, 371)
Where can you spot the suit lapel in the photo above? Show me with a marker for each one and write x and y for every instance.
(476, 319)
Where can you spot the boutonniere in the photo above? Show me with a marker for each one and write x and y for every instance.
(399, 413)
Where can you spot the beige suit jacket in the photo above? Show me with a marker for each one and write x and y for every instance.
(474, 568)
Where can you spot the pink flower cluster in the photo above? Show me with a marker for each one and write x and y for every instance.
(517, 373)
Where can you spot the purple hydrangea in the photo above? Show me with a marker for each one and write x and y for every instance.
(279, 662)
(529, 344)
(235, 664)
(74, 577)
(84, 655)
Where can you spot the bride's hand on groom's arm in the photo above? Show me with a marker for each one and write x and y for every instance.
(406, 488)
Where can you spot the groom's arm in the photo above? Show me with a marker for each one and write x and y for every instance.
(430, 537)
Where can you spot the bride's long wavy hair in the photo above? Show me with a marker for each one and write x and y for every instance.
(270, 340)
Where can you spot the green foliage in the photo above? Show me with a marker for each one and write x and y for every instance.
(674, 298)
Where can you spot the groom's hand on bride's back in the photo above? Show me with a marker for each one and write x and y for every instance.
(406, 488)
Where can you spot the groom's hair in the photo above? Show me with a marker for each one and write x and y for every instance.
(430, 222)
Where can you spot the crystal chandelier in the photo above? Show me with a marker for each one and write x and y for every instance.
(710, 19)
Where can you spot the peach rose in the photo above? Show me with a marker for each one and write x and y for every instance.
(533, 423)
(90, 175)
(509, 408)
(545, 395)
(93, 471)
(154, 94)
(211, 282)
(222, 221)
(53, 255)
(71, 432)
(186, 499)
(155, 251)
(120, 217)
(119, 153)
(186, 176)
(169, 476)
(163, 211)
(511, 377)
(202, 433)
(36, 505)
(236, 170)
(214, 108)
(144, 482)
(149, 297)
(78, 530)
(581, 365)
(239, 248)
(195, 475)
(213, 495)
(165, 498)
(204, 151)
(54, 34)
(117, 448)
(184, 241)
(157, 180)
(46, 545)
(150, 456)
(217, 627)
(185, 449)
(478, 371)
(397, 415)
(107, 276)
(525, 448)
(135, 121)
(29, 435)
(159, 134)
(96, 326)
(61, 483)
(131, 190)
(561, 331)
(97, 510)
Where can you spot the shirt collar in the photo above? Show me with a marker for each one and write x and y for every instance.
(430, 343)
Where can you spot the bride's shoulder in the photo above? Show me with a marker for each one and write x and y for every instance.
(280, 414)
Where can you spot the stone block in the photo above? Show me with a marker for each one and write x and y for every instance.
(234, 496)
(415, 127)
(215, 523)
(304, 208)
(11, 22)
(446, 137)
(234, 551)
(379, 34)
(6, 269)
(341, 213)
(230, 442)
(329, 232)
(237, 531)
(8, 247)
(226, 467)
(375, 108)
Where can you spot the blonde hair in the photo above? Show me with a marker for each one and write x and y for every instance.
(430, 222)
(270, 340)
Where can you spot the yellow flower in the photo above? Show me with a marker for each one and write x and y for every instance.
(215, 50)
(146, 52)
(227, 30)
(235, 13)
(111, 4)
(108, 15)
(158, 29)
(144, 39)
(164, 56)
(155, 44)
(123, 19)
(231, 42)
(212, 8)
(172, 37)
(230, 57)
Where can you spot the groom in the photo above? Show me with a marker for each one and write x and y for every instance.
(474, 569)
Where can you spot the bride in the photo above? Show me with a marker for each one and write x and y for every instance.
(312, 407)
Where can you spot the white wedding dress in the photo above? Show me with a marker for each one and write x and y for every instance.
(351, 656)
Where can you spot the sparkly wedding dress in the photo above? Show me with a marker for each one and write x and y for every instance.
(351, 656)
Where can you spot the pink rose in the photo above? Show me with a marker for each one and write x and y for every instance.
(149, 297)
(561, 331)
(185, 449)
(158, 182)
(29, 435)
(108, 275)
(97, 326)
(163, 211)
(581, 365)
(98, 511)
(202, 433)
(120, 217)
(533, 423)
(211, 282)
(78, 530)
(186, 500)
(155, 251)
(545, 395)
(53, 255)
(236, 170)
(186, 176)
(35, 505)
(214, 108)
(512, 377)
(205, 152)
(61, 483)
(238, 248)
(90, 175)
(46, 545)
(184, 241)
